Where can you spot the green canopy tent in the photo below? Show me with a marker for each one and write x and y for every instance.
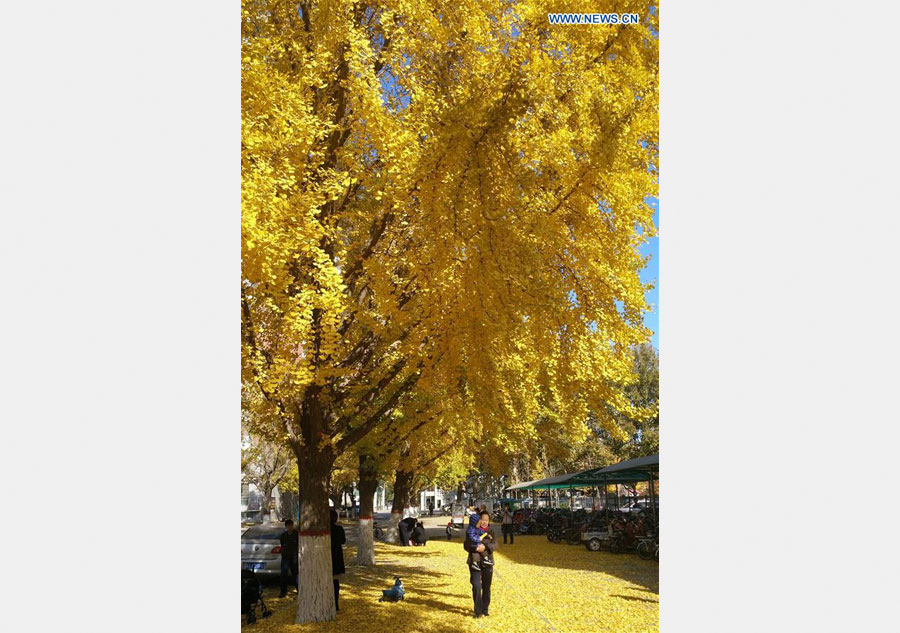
(558, 482)
(626, 472)
(647, 464)
(630, 471)
(520, 486)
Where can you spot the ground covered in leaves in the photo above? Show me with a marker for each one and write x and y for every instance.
(538, 586)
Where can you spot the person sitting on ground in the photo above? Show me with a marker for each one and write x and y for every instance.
(479, 534)
(419, 536)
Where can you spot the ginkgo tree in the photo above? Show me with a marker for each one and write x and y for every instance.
(447, 436)
(445, 196)
(415, 439)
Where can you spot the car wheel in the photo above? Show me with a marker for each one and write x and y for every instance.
(593, 544)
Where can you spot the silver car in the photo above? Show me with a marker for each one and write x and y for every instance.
(261, 549)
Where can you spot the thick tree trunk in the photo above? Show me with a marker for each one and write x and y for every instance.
(402, 486)
(316, 591)
(368, 484)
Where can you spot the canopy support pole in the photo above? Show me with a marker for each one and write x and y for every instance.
(606, 499)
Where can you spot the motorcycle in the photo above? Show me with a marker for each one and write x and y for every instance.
(573, 534)
(558, 529)
(555, 534)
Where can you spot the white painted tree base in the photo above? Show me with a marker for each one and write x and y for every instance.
(366, 550)
(315, 602)
(393, 532)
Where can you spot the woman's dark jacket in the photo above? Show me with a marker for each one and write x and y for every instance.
(338, 538)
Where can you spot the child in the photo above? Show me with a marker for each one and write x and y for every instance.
(476, 535)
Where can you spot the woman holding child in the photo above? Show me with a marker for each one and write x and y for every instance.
(480, 543)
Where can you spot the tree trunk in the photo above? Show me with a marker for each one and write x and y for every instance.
(368, 484)
(288, 505)
(336, 499)
(402, 486)
(279, 506)
(267, 502)
(316, 591)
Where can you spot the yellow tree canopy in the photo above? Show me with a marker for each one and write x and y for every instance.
(443, 195)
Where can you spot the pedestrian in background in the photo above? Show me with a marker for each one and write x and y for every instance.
(290, 546)
(338, 538)
(506, 525)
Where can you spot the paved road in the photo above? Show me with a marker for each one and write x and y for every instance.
(435, 526)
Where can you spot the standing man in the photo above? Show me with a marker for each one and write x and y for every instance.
(481, 575)
(431, 507)
(506, 525)
(338, 538)
(290, 545)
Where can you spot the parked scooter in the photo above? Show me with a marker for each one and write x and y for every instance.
(573, 534)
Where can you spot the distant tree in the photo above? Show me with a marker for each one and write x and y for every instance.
(264, 464)
(643, 393)
(552, 453)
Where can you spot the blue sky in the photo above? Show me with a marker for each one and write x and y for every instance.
(651, 274)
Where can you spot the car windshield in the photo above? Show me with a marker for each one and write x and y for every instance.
(256, 533)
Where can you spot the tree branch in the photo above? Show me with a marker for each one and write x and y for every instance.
(360, 432)
(370, 394)
(403, 439)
